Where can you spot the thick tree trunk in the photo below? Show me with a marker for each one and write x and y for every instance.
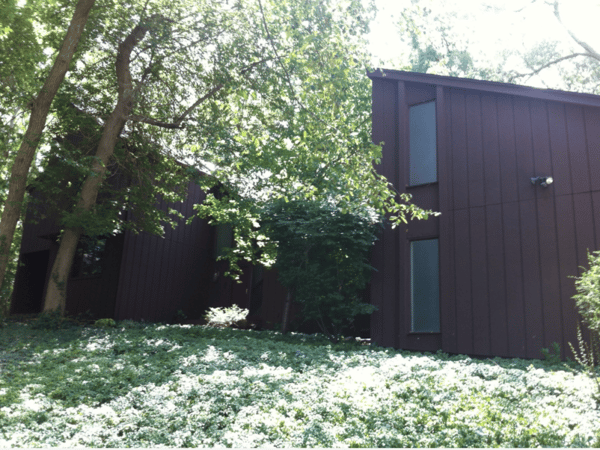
(57, 285)
(37, 122)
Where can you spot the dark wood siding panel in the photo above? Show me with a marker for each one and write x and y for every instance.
(542, 157)
(508, 158)
(578, 157)
(462, 267)
(592, 131)
(448, 284)
(567, 257)
(532, 293)
(491, 153)
(584, 226)
(549, 272)
(475, 151)
(497, 281)
(460, 175)
(558, 145)
(479, 284)
(385, 129)
(524, 149)
(514, 280)
(596, 217)
(395, 254)
(446, 243)
(142, 299)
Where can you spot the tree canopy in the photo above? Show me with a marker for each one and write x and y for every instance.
(268, 99)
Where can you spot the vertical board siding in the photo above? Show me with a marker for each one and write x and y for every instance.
(447, 282)
(596, 217)
(496, 281)
(549, 272)
(462, 269)
(476, 177)
(397, 253)
(491, 151)
(567, 257)
(578, 157)
(159, 271)
(532, 294)
(592, 132)
(524, 149)
(460, 177)
(514, 279)
(558, 147)
(508, 157)
(383, 296)
(479, 284)
(508, 249)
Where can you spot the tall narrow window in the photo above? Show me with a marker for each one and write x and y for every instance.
(425, 286)
(423, 144)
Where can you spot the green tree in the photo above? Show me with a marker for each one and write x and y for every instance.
(40, 107)
(270, 98)
(323, 259)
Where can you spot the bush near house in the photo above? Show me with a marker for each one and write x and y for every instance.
(191, 386)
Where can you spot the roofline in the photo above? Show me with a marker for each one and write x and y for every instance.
(487, 86)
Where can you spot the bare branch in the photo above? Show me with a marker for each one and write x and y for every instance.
(545, 66)
(588, 48)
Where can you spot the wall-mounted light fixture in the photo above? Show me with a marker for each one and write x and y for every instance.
(542, 181)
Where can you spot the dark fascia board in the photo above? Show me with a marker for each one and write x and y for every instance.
(488, 86)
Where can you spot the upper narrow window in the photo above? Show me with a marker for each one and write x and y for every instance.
(425, 286)
(423, 144)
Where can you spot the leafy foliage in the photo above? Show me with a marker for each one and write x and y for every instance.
(323, 259)
(185, 386)
(587, 299)
(223, 317)
(588, 293)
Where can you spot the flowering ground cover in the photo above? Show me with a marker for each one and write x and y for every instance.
(156, 385)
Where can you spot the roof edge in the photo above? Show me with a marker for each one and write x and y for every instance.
(487, 86)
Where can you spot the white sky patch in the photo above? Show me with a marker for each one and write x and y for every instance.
(492, 25)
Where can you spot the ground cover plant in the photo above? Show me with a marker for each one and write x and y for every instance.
(139, 385)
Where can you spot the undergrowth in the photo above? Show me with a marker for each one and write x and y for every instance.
(139, 385)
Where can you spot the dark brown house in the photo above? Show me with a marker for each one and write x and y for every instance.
(491, 275)
(134, 276)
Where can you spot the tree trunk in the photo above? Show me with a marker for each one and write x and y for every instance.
(57, 285)
(37, 122)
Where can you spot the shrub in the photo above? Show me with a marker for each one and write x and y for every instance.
(323, 259)
(588, 303)
(105, 323)
(588, 293)
(224, 317)
(51, 320)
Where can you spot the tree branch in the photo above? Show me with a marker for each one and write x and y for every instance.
(545, 66)
(177, 122)
(588, 48)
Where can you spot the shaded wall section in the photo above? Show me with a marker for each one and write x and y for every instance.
(507, 248)
(162, 275)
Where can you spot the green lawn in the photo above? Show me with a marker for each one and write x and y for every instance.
(158, 385)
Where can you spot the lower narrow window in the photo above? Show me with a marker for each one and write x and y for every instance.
(425, 286)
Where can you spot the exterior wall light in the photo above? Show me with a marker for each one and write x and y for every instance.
(542, 181)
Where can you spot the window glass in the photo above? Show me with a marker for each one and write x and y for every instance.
(224, 238)
(425, 286)
(88, 257)
(423, 144)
